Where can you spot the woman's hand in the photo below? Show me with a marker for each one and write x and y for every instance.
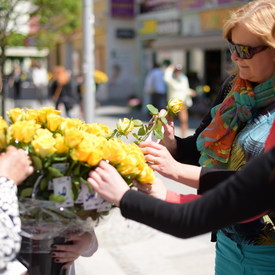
(68, 253)
(15, 165)
(106, 180)
(157, 190)
(169, 140)
(160, 159)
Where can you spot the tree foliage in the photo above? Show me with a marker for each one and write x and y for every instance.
(55, 18)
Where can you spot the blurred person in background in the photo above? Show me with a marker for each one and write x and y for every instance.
(156, 87)
(15, 81)
(61, 89)
(178, 87)
(40, 81)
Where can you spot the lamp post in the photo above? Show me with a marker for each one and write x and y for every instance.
(88, 61)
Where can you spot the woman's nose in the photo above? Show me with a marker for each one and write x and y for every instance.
(234, 56)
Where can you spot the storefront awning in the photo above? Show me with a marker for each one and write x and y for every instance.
(26, 52)
(188, 43)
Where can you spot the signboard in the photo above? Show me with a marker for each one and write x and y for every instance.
(197, 4)
(148, 27)
(123, 8)
(156, 5)
(213, 19)
(125, 33)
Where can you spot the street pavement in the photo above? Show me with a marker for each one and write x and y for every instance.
(127, 247)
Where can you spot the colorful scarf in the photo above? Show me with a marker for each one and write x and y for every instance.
(215, 142)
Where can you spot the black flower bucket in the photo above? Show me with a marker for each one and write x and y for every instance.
(36, 256)
(44, 224)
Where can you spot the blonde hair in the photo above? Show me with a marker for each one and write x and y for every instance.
(258, 17)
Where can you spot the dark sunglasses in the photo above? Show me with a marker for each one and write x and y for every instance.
(245, 52)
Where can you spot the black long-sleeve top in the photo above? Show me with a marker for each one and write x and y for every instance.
(247, 193)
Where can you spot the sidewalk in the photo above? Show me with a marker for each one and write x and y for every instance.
(130, 248)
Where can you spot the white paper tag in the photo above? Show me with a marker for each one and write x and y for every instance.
(90, 200)
(104, 206)
(63, 187)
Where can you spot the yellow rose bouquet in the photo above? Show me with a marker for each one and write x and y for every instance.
(63, 151)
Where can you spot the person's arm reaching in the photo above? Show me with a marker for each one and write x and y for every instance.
(245, 194)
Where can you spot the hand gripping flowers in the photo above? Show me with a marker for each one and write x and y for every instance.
(63, 148)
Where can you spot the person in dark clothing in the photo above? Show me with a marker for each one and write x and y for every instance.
(245, 194)
(15, 81)
(61, 89)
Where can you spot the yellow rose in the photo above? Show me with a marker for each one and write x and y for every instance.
(73, 138)
(44, 145)
(89, 150)
(71, 123)
(43, 132)
(97, 129)
(60, 145)
(53, 121)
(97, 153)
(43, 112)
(32, 114)
(146, 176)
(16, 114)
(24, 131)
(125, 126)
(114, 151)
(3, 133)
(130, 165)
(174, 105)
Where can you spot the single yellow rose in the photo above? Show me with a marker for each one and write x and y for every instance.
(73, 138)
(16, 114)
(3, 133)
(43, 112)
(60, 145)
(97, 152)
(24, 131)
(125, 126)
(146, 176)
(114, 151)
(174, 105)
(32, 114)
(89, 150)
(53, 121)
(97, 129)
(44, 145)
(71, 123)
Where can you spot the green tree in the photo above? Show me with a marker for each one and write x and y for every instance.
(55, 18)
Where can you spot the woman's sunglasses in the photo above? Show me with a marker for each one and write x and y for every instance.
(245, 52)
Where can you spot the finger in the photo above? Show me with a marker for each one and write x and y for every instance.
(93, 183)
(67, 248)
(151, 159)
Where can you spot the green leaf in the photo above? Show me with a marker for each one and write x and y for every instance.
(164, 120)
(37, 163)
(137, 122)
(57, 198)
(142, 131)
(158, 134)
(54, 172)
(153, 110)
(26, 192)
(44, 184)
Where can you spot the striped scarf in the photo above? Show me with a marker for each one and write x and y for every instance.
(215, 142)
